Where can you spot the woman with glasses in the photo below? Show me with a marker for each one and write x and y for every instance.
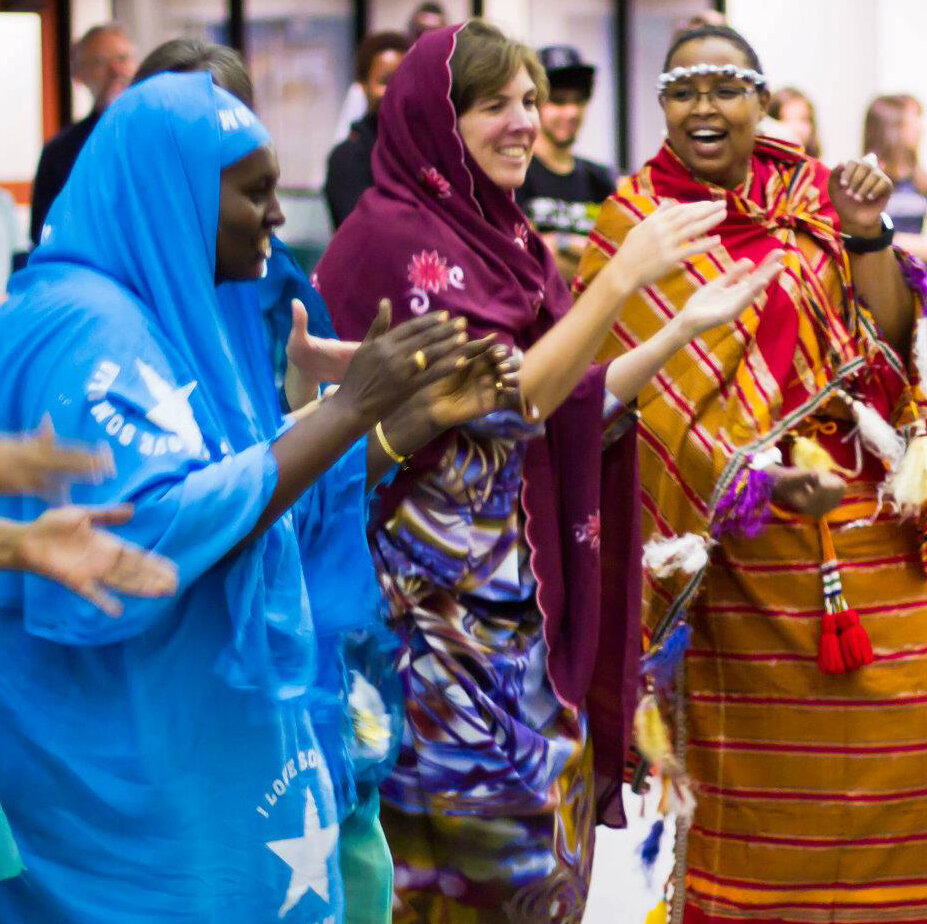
(773, 451)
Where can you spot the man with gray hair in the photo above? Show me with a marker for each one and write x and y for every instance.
(103, 60)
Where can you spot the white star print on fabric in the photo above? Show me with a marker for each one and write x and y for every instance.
(172, 411)
(307, 857)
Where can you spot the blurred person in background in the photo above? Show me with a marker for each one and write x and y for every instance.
(349, 170)
(103, 60)
(892, 132)
(792, 108)
(562, 193)
(424, 18)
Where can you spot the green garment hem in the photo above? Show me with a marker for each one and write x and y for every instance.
(11, 863)
(366, 864)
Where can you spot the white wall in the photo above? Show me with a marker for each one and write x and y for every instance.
(843, 54)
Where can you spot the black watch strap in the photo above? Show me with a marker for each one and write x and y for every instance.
(858, 245)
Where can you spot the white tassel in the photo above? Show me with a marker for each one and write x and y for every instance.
(680, 799)
(920, 350)
(877, 435)
(908, 485)
(688, 553)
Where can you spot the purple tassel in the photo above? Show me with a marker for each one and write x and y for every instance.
(744, 508)
(650, 849)
(661, 663)
(914, 272)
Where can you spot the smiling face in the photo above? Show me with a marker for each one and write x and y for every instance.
(562, 115)
(248, 214)
(713, 132)
(499, 130)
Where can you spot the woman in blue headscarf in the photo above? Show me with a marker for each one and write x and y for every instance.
(163, 765)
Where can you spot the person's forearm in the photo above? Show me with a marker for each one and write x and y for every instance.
(879, 282)
(311, 446)
(553, 367)
(11, 534)
(629, 373)
(405, 431)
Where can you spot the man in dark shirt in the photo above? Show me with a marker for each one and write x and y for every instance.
(104, 62)
(349, 170)
(562, 193)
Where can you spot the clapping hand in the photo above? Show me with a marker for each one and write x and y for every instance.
(726, 297)
(311, 360)
(488, 382)
(669, 235)
(66, 545)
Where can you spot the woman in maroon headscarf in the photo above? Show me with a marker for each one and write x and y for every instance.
(519, 671)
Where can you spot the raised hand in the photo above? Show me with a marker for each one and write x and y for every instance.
(391, 365)
(65, 544)
(42, 465)
(311, 360)
(726, 297)
(670, 234)
(488, 382)
(859, 190)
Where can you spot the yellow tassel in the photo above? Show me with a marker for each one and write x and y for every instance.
(810, 456)
(649, 731)
(657, 914)
(908, 485)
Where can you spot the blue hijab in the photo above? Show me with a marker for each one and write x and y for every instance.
(163, 765)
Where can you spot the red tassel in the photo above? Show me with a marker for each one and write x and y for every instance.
(830, 657)
(855, 645)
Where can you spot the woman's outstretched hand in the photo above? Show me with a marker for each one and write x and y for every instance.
(312, 360)
(392, 365)
(726, 297)
(669, 235)
(488, 382)
(67, 545)
(43, 465)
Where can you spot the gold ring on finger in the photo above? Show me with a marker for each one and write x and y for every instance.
(421, 360)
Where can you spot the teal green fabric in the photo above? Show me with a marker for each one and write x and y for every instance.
(366, 864)
(10, 862)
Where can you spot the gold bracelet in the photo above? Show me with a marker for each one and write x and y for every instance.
(385, 446)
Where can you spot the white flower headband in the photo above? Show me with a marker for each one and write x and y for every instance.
(701, 70)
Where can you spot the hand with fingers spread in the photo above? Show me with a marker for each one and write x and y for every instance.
(670, 234)
(859, 190)
(725, 298)
(489, 381)
(67, 545)
(311, 360)
(42, 465)
(391, 365)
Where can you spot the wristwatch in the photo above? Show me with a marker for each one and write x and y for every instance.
(859, 245)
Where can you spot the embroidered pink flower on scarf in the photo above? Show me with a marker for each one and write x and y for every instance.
(314, 282)
(428, 271)
(434, 183)
(521, 235)
(589, 532)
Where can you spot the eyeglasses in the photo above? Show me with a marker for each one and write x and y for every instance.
(723, 96)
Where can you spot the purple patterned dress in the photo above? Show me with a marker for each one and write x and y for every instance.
(490, 810)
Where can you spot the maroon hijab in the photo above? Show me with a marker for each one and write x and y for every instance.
(435, 232)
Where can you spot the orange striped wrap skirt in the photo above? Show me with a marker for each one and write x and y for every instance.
(811, 788)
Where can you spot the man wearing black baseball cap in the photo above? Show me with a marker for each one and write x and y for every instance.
(562, 193)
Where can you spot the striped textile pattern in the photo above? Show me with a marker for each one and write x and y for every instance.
(811, 788)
